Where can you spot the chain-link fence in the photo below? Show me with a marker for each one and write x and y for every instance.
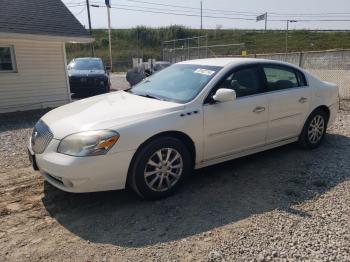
(120, 65)
(331, 66)
(178, 50)
(181, 49)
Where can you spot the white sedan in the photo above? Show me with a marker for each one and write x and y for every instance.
(190, 115)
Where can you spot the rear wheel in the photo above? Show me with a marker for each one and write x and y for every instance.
(159, 168)
(314, 129)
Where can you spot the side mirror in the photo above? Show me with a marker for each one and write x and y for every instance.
(225, 95)
(108, 68)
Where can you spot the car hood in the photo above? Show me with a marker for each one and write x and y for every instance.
(85, 72)
(108, 111)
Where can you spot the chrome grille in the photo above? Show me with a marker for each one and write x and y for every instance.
(41, 137)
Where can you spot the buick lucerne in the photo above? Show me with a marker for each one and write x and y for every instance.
(190, 115)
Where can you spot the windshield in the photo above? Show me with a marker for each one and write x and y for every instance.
(178, 83)
(86, 64)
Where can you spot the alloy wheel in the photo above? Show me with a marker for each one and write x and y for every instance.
(163, 169)
(316, 129)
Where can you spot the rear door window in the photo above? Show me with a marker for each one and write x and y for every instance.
(280, 77)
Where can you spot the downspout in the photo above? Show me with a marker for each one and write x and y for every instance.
(66, 72)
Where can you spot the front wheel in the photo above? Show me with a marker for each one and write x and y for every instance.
(314, 129)
(159, 168)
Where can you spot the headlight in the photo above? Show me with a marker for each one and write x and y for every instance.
(89, 143)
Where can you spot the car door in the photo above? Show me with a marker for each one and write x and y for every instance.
(289, 99)
(234, 126)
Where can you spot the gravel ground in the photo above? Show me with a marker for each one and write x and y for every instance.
(15, 130)
(285, 204)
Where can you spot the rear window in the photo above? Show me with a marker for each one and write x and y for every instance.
(86, 64)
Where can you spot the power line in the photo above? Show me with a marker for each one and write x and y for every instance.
(187, 9)
(309, 14)
(73, 2)
(173, 10)
(242, 12)
(76, 5)
(182, 14)
(193, 8)
(118, 7)
(188, 13)
(316, 20)
(160, 9)
(81, 11)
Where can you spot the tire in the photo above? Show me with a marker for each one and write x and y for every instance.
(152, 180)
(314, 129)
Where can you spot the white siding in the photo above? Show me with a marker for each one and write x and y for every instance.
(40, 80)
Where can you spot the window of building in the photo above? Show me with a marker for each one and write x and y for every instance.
(7, 59)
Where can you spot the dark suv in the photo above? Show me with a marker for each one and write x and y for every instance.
(88, 76)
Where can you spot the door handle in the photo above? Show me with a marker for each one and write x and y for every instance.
(259, 109)
(302, 100)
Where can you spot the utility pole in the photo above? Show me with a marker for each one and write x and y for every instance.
(287, 36)
(265, 21)
(288, 21)
(138, 51)
(90, 29)
(110, 38)
(201, 15)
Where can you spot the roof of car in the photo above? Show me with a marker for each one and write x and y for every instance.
(231, 60)
(39, 17)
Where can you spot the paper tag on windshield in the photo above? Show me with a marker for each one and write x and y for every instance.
(203, 71)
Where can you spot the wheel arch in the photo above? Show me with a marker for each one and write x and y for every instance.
(323, 108)
(302, 136)
(186, 139)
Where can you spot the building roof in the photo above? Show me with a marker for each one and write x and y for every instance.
(40, 18)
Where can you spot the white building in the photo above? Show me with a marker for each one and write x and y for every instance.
(32, 53)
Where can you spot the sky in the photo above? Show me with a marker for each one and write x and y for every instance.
(238, 14)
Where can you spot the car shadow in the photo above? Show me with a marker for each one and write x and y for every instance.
(78, 96)
(212, 197)
(81, 96)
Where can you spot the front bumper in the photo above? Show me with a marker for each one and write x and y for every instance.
(92, 85)
(84, 174)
